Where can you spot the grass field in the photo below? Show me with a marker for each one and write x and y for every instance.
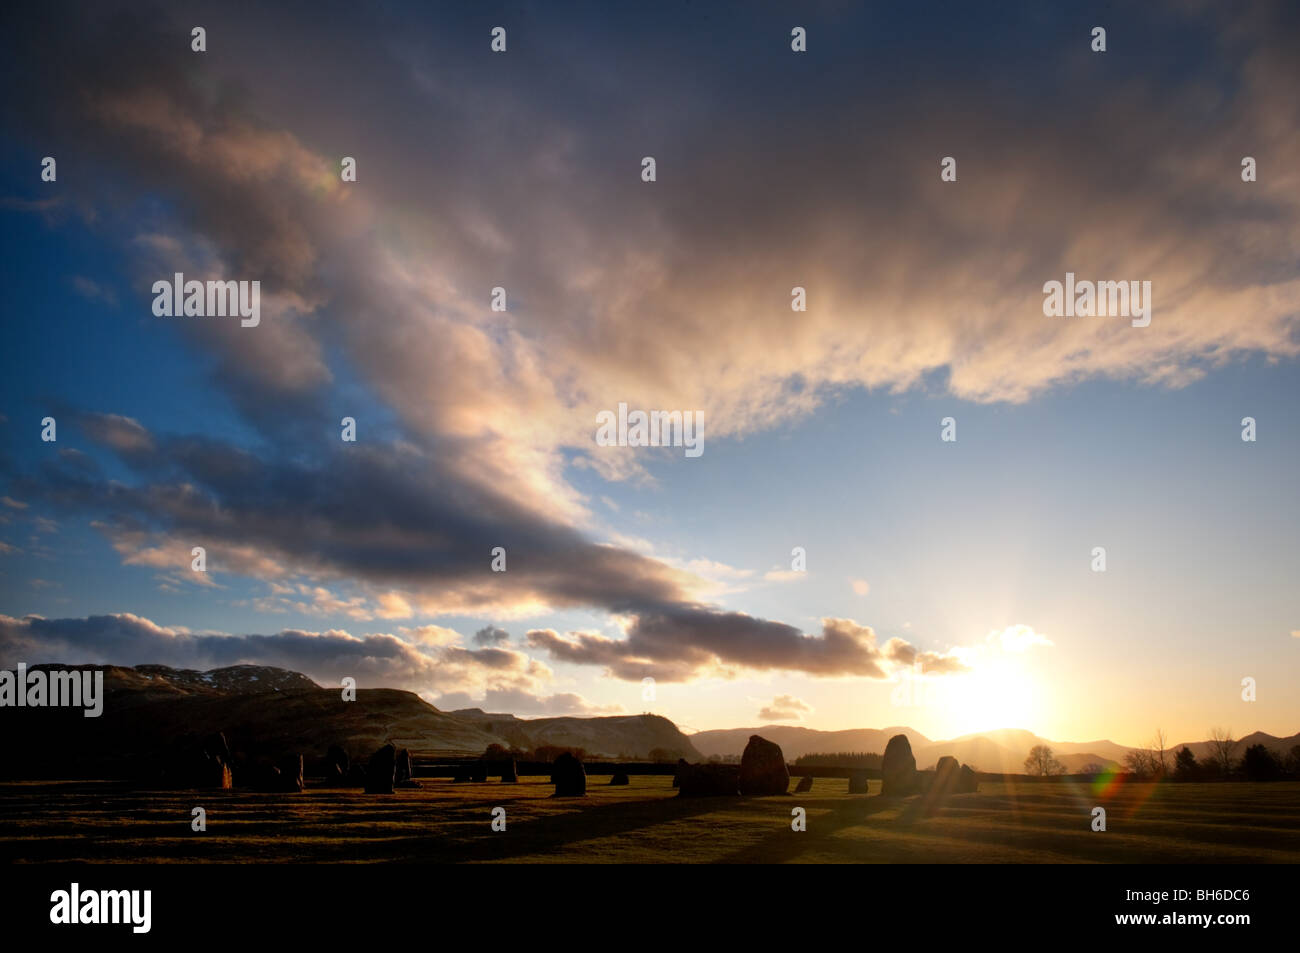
(1006, 822)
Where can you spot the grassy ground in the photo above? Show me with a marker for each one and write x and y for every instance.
(646, 823)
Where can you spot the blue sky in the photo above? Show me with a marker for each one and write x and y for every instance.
(822, 428)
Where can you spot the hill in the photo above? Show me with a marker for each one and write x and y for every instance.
(612, 736)
(1280, 747)
(264, 712)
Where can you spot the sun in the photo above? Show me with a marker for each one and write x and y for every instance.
(996, 695)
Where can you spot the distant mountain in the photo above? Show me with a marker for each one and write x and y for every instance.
(796, 741)
(633, 736)
(1001, 751)
(266, 712)
(1280, 747)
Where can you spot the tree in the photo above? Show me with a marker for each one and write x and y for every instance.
(1221, 745)
(1141, 763)
(1258, 764)
(1042, 763)
(1092, 768)
(1185, 766)
(1158, 744)
(1293, 761)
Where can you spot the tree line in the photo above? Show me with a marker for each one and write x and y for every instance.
(1156, 762)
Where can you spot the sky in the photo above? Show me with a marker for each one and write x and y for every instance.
(828, 559)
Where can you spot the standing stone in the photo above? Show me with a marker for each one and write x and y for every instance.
(677, 774)
(946, 777)
(215, 745)
(381, 770)
(509, 773)
(898, 770)
(570, 776)
(805, 784)
(336, 765)
(479, 771)
(290, 777)
(762, 768)
(266, 779)
(403, 771)
(710, 780)
(858, 781)
(967, 782)
(220, 775)
(619, 778)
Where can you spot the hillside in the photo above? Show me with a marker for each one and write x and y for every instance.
(632, 736)
(265, 712)
(1280, 747)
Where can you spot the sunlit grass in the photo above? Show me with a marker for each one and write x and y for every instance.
(646, 823)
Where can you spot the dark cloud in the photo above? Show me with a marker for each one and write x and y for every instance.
(684, 642)
(491, 635)
(375, 660)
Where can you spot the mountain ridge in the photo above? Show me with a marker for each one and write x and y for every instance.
(149, 707)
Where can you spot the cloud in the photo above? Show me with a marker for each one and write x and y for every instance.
(1017, 638)
(93, 291)
(376, 660)
(522, 703)
(123, 434)
(649, 296)
(682, 643)
(432, 635)
(785, 708)
(491, 635)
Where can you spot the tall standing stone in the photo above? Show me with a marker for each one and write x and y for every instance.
(402, 766)
(337, 765)
(858, 781)
(946, 776)
(898, 771)
(762, 768)
(570, 776)
(682, 767)
(380, 770)
(290, 777)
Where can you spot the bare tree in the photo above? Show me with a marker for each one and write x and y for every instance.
(1158, 745)
(1141, 763)
(1042, 763)
(1221, 745)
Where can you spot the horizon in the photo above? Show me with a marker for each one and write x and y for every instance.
(903, 486)
(690, 732)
